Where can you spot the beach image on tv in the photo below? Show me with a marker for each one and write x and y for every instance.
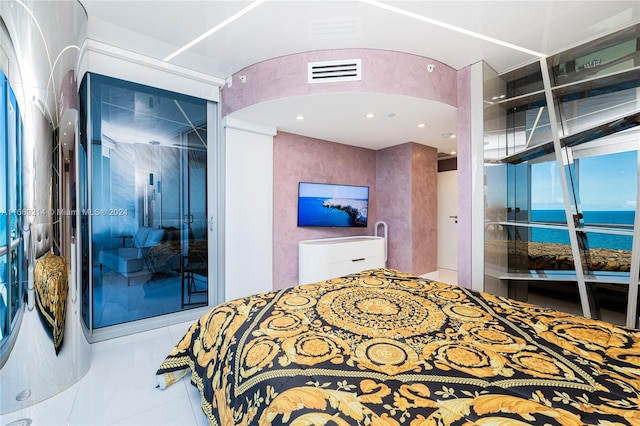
(332, 205)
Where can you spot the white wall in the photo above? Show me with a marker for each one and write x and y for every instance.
(447, 225)
(248, 208)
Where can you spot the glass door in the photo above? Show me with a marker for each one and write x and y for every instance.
(147, 202)
(12, 258)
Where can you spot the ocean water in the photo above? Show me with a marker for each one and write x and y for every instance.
(311, 212)
(595, 239)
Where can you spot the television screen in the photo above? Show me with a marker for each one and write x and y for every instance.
(323, 204)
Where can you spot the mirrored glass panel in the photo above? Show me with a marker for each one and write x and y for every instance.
(528, 127)
(614, 53)
(4, 297)
(587, 112)
(13, 165)
(12, 265)
(608, 189)
(595, 90)
(547, 204)
(4, 213)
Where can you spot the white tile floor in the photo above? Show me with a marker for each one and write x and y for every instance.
(119, 388)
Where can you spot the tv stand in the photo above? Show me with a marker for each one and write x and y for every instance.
(327, 258)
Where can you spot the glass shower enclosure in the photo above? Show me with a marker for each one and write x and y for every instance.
(142, 202)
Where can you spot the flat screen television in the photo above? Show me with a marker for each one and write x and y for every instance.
(324, 204)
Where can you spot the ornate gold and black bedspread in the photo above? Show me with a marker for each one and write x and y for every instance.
(386, 348)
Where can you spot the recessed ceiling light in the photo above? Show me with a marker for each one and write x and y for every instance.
(300, 117)
(453, 153)
(370, 115)
(452, 136)
(421, 125)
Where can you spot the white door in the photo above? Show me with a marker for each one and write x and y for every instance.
(448, 220)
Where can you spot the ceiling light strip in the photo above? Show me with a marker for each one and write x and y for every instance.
(186, 117)
(46, 49)
(215, 29)
(451, 27)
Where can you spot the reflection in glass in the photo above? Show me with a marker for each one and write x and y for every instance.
(13, 165)
(148, 198)
(606, 57)
(12, 263)
(595, 90)
(584, 113)
(550, 249)
(82, 204)
(528, 126)
(4, 298)
(3, 159)
(523, 81)
(606, 186)
(547, 203)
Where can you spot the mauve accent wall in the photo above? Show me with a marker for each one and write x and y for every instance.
(301, 159)
(424, 209)
(393, 180)
(407, 192)
(384, 71)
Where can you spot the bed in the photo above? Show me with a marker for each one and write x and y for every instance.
(387, 348)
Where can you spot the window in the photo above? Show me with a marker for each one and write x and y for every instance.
(606, 185)
(608, 188)
(11, 247)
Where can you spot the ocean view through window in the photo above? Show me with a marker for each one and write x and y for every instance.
(617, 218)
(606, 186)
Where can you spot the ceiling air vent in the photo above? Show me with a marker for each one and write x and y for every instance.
(334, 71)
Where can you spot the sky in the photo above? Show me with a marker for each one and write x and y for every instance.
(607, 182)
(333, 191)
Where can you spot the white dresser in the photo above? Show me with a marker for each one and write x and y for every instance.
(334, 257)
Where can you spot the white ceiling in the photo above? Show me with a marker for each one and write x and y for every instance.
(275, 28)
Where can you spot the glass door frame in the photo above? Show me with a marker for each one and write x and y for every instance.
(214, 225)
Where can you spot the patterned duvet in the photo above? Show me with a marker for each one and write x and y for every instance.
(387, 348)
